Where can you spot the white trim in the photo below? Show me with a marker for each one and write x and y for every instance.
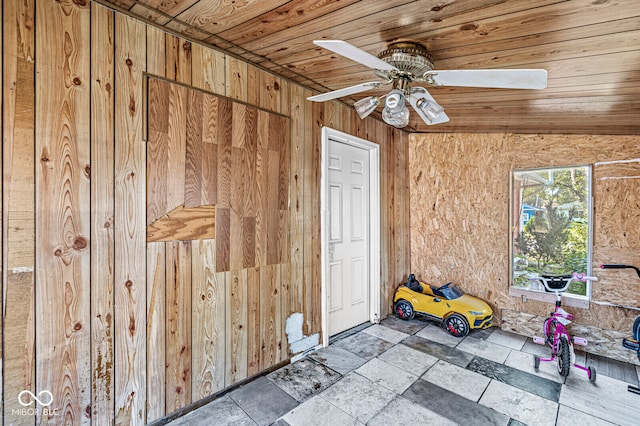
(374, 223)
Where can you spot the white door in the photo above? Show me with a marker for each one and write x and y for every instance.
(348, 236)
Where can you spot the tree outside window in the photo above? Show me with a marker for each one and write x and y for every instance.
(551, 224)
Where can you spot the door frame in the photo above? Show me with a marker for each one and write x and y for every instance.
(374, 223)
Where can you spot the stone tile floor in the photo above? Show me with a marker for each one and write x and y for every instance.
(414, 372)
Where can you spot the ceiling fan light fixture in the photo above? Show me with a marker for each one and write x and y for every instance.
(366, 106)
(397, 119)
(429, 110)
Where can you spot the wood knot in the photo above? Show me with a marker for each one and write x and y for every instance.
(58, 252)
(77, 326)
(129, 62)
(77, 81)
(186, 45)
(128, 284)
(107, 87)
(87, 171)
(276, 85)
(108, 317)
(178, 389)
(468, 27)
(87, 411)
(132, 326)
(107, 224)
(80, 243)
(436, 8)
(203, 297)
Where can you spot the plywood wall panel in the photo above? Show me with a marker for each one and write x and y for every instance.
(460, 231)
(208, 69)
(253, 322)
(236, 332)
(18, 214)
(102, 215)
(156, 57)
(130, 269)
(178, 59)
(296, 184)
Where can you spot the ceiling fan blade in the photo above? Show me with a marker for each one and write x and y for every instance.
(498, 78)
(422, 93)
(362, 87)
(355, 54)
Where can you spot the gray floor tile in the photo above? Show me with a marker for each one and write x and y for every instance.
(388, 334)
(520, 379)
(387, 375)
(358, 396)
(484, 348)
(439, 350)
(408, 327)
(524, 361)
(401, 411)
(304, 378)
(338, 359)
(508, 339)
(458, 380)
(364, 345)
(452, 406)
(523, 406)
(567, 416)
(439, 334)
(606, 399)
(224, 410)
(408, 359)
(482, 334)
(317, 411)
(615, 369)
(535, 349)
(263, 401)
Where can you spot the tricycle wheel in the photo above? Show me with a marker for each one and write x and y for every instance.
(404, 310)
(536, 362)
(564, 357)
(592, 374)
(457, 325)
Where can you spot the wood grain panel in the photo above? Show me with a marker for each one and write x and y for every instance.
(184, 224)
(223, 240)
(224, 129)
(193, 168)
(254, 343)
(208, 321)
(156, 58)
(236, 331)
(18, 208)
(297, 198)
(176, 145)
(178, 311)
(208, 67)
(236, 78)
(130, 272)
(156, 330)
(178, 59)
(209, 192)
(63, 205)
(268, 310)
(102, 215)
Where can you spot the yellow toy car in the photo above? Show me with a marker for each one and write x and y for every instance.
(458, 311)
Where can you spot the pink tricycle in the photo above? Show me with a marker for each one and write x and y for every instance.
(556, 335)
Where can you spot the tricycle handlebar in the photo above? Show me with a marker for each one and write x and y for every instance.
(619, 266)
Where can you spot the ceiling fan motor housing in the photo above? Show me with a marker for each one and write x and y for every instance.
(411, 58)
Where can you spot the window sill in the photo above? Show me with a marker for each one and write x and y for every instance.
(572, 300)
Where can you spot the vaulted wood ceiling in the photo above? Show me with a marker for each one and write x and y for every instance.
(590, 48)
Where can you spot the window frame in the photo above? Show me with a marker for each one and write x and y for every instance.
(573, 300)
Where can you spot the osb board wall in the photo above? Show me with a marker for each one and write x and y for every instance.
(459, 191)
(88, 313)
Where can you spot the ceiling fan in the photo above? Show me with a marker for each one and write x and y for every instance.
(406, 62)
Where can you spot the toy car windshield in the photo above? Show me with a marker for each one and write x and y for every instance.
(448, 291)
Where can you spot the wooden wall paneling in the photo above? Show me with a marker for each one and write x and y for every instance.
(193, 171)
(272, 206)
(223, 215)
(209, 192)
(156, 57)
(309, 128)
(399, 208)
(178, 325)
(261, 194)
(176, 145)
(268, 310)
(17, 205)
(208, 322)
(386, 185)
(284, 309)
(236, 78)
(296, 184)
(178, 59)
(208, 69)
(130, 268)
(63, 207)
(253, 321)
(102, 214)
(254, 81)
(157, 146)
(316, 123)
(156, 331)
(238, 185)
(236, 332)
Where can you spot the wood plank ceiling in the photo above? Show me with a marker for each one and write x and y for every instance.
(590, 48)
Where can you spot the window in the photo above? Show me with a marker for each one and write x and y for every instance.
(551, 225)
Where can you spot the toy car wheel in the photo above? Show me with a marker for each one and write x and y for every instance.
(404, 310)
(457, 325)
